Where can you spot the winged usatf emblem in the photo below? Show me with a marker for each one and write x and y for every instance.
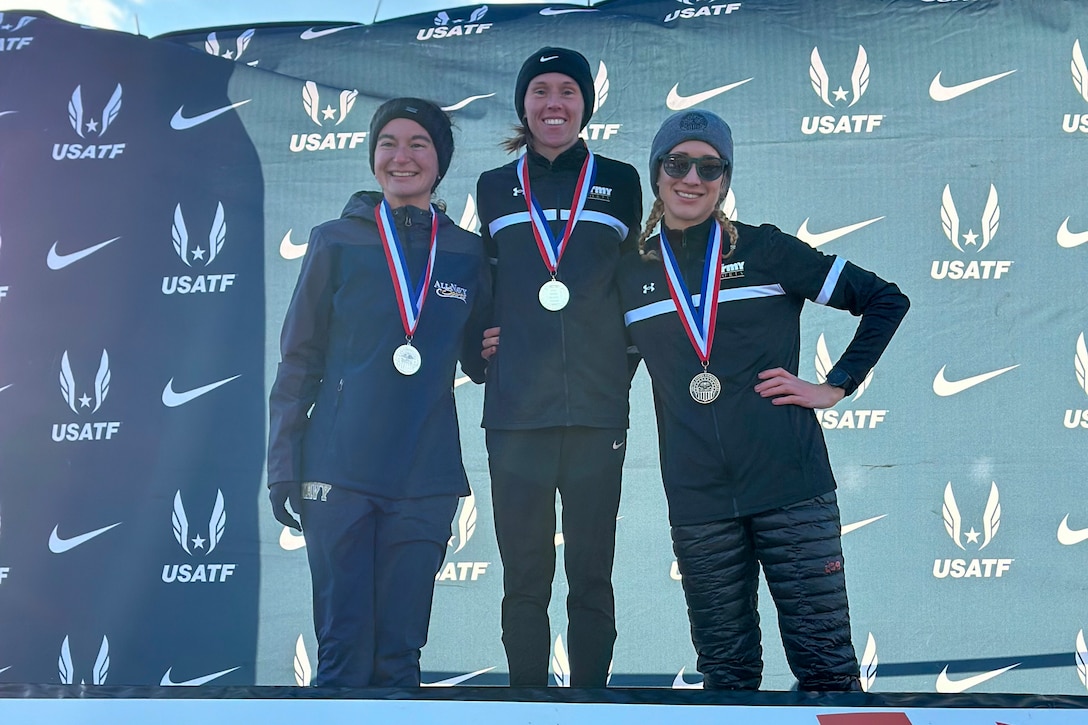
(211, 45)
(859, 77)
(600, 87)
(1080, 70)
(216, 525)
(216, 237)
(68, 384)
(991, 518)
(66, 670)
(950, 221)
(109, 113)
(311, 103)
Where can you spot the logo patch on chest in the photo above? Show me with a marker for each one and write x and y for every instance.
(733, 271)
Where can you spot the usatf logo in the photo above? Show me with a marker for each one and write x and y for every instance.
(66, 670)
(1078, 417)
(89, 431)
(972, 269)
(953, 525)
(451, 291)
(733, 270)
(831, 419)
(705, 9)
(444, 27)
(212, 47)
(1078, 122)
(454, 571)
(217, 522)
(194, 254)
(8, 27)
(600, 193)
(333, 116)
(90, 128)
(600, 131)
(821, 84)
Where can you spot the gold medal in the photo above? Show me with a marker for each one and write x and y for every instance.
(705, 388)
(406, 360)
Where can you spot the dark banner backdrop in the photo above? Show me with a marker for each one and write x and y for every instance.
(155, 202)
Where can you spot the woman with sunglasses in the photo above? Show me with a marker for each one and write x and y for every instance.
(743, 458)
(363, 439)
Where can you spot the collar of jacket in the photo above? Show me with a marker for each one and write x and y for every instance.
(363, 203)
(572, 158)
(692, 240)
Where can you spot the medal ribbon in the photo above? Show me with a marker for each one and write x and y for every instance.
(551, 250)
(410, 302)
(698, 319)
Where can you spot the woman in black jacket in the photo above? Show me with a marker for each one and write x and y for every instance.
(743, 459)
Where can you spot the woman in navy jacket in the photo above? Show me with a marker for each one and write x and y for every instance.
(743, 459)
(363, 439)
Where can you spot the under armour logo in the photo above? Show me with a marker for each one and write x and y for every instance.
(647, 288)
(518, 191)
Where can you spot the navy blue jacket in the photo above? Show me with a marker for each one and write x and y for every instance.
(566, 368)
(373, 429)
(741, 454)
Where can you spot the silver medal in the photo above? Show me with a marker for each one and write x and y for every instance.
(705, 388)
(406, 360)
(554, 295)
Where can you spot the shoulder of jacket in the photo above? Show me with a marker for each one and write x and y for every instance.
(458, 240)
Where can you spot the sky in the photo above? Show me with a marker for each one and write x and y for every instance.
(155, 17)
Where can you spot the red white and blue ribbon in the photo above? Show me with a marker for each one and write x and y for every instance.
(551, 249)
(698, 318)
(409, 299)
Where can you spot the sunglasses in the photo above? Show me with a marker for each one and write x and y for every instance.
(709, 168)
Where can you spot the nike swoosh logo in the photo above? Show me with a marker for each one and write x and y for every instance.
(940, 92)
(456, 383)
(288, 250)
(290, 541)
(1068, 536)
(9, 666)
(815, 239)
(944, 387)
(544, 59)
(678, 103)
(56, 260)
(180, 122)
(616, 445)
(167, 682)
(172, 399)
(455, 680)
(564, 11)
(6, 387)
(948, 686)
(461, 104)
(1068, 239)
(679, 683)
(310, 33)
(858, 524)
(58, 545)
(6, 113)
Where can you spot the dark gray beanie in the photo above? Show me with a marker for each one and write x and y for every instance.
(432, 118)
(690, 126)
(556, 60)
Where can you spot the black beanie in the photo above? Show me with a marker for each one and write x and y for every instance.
(432, 118)
(556, 60)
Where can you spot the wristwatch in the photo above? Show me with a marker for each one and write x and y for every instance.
(838, 378)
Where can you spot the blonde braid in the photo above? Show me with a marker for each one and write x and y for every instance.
(656, 212)
(729, 229)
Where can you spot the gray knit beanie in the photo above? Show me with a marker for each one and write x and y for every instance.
(690, 126)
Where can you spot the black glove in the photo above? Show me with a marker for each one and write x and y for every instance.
(279, 494)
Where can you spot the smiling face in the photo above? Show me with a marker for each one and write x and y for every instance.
(690, 200)
(553, 113)
(405, 163)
